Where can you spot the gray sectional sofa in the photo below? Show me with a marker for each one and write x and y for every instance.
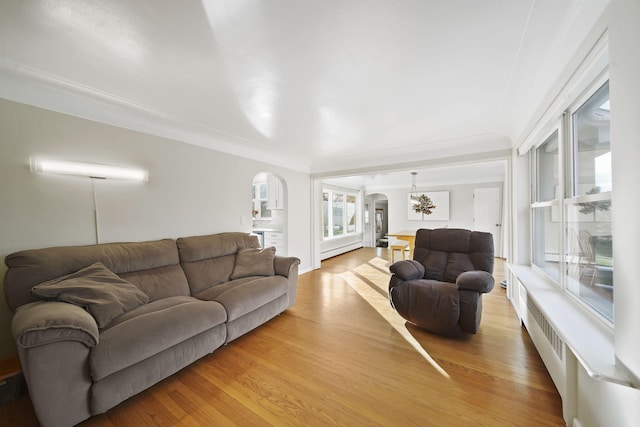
(95, 325)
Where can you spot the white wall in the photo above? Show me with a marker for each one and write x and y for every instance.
(521, 214)
(190, 190)
(460, 207)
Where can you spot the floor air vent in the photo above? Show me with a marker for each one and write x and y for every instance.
(556, 343)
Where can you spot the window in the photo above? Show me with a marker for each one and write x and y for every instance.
(339, 213)
(571, 204)
(260, 202)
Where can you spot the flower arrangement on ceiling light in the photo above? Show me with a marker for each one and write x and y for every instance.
(422, 204)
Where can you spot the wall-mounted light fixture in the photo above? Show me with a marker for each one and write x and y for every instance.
(92, 170)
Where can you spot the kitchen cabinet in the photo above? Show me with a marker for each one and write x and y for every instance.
(275, 239)
(275, 197)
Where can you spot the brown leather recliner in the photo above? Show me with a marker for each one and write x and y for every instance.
(441, 288)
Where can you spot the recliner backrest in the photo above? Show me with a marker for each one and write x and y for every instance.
(447, 252)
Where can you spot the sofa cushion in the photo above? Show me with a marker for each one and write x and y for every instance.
(121, 385)
(434, 264)
(242, 296)
(255, 318)
(101, 292)
(161, 282)
(457, 263)
(151, 329)
(254, 262)
(209, 260)
(198, 248)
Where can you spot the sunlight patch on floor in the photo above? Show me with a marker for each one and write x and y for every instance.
(364, 279)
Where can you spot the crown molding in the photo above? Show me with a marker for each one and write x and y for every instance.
(479, 157)
(43, 90)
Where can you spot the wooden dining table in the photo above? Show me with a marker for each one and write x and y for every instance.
(409, 236)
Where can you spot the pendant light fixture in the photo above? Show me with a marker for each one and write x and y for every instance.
(412, 195)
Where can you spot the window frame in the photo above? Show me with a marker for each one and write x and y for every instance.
(567, 197)
(329, 221)
(555, 203)
(573, 197)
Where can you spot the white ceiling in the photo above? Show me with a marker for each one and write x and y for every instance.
(325, 87)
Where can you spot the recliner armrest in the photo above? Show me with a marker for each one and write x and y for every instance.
(476, 280)
(408, 269)
(45, 322)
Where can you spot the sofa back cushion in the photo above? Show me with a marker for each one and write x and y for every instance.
(447, 252)
(154, 267)
(209, 260)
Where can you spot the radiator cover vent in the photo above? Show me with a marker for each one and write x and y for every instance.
(552, 336)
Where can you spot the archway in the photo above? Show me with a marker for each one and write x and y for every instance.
(376, 219)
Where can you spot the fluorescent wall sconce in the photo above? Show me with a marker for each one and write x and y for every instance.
(91, 170)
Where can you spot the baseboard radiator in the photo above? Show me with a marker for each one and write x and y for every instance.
(550, 334)
(550, 346)
(340, 250)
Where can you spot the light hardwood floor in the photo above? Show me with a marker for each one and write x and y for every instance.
(341, 356)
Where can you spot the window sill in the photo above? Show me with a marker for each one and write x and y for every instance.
(586, 336)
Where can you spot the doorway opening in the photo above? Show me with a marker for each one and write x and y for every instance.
(376, 220)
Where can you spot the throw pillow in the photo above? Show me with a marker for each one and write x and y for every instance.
(95, 288)
(254, 262)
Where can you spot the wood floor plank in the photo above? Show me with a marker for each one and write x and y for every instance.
(342, 356)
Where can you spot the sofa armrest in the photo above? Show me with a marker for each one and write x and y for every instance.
(407, 270)
(288, 267)
(283, 265)
(46, 322)
(476, 280)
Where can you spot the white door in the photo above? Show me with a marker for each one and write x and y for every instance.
(487, 214)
